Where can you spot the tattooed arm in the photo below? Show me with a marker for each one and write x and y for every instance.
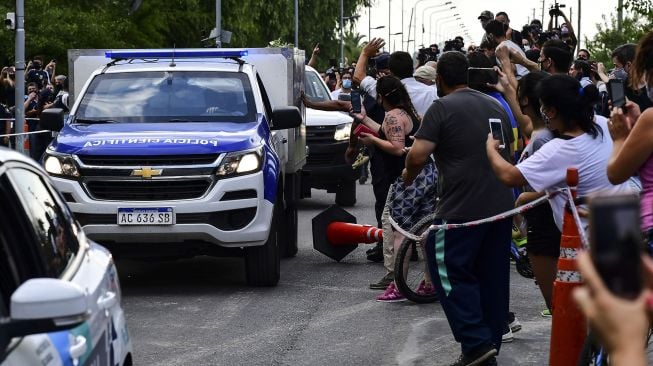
(394, 127)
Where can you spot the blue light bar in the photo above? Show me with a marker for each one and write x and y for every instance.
(180, 53)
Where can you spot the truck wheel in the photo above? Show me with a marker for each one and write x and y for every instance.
(262, 263)
(288, 237)
(346, 194)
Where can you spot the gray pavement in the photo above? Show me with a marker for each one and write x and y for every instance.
(200, 312)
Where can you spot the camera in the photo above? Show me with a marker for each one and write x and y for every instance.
(10, 21)
(555, 9)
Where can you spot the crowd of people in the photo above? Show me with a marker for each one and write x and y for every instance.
(427, 131)
(44, 89)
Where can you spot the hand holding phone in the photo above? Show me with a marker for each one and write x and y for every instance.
(616, 243)
(496, 127)
(616, 92)
(355, 101)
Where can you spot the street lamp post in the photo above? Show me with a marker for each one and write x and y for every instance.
(415, 11)
(395, 34)
(342, 34)
(438, 24)
(431, 19)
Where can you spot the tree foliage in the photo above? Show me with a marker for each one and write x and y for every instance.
(54, 26)
(609, 37)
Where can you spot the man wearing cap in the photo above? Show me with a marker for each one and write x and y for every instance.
(425, 75)
(485, 18)
(400, 64)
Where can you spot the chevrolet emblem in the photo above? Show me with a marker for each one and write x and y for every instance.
(146, 172)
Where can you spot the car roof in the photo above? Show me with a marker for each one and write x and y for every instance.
(180, 65)
(7, 155)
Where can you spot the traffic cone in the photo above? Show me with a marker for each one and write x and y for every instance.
(568, 329)
(344, 233)
(336, 234)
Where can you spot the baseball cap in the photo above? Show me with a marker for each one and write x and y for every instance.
(382, 61)
(486, 14)
(425, 72)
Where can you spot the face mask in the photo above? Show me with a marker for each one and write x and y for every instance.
(620, 73)
(346, 83)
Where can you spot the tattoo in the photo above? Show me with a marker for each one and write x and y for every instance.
(394, 129)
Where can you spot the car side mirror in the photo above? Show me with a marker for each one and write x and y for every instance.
(286, 117)
(52, 119)
(43, 305)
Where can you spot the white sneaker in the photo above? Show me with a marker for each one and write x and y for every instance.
(515, 326)
(507, 337)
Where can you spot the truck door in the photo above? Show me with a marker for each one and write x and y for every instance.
(279, 137)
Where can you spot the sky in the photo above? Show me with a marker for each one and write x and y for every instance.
(519, 11)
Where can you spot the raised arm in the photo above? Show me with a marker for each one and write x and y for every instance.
(370, 50)
(313, 61)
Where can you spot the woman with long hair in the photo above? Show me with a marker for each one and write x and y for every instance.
(405, 204)
(581, 142)
(632, 132)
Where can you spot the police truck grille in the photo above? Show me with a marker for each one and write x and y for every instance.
(138, 160)
(320, 134)
(148, 190)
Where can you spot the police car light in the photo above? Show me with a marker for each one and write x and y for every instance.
(180, 53)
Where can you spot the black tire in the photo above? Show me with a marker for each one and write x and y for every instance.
(263, 263)
(415, 271)
(288, 235)
(346, 194)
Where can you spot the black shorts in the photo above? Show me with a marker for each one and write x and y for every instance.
(543, 234)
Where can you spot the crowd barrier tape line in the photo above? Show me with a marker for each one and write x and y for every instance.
(24, 133)
(501, 216)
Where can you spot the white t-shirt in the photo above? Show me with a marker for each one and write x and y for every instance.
(519, 69)
(420, 94)
(336, 93)
(546, 170)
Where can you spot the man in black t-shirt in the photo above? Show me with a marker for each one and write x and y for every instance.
(38, 75)
(469, 266)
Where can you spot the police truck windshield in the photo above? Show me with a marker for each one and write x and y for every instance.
(157, 96)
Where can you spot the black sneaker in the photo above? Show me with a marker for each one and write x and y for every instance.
(376, 255)
(383, 283)
(378, 246)
(476, 358)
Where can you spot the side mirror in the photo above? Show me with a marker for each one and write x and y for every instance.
(43, 305)
(52, 119)
(286, 117)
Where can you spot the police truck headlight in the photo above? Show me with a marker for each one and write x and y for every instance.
(239, 163)
(61, 165)
(342, 132)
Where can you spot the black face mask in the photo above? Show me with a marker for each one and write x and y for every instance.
(57, 89)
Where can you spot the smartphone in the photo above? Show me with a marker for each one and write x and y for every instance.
(355, 100)
(616, 92)
(482, 76)
(496, 127)
(616, 243)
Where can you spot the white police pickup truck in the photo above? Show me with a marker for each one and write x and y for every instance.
(59, 292)
(180, 152)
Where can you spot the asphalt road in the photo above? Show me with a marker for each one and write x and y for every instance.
(200, 312)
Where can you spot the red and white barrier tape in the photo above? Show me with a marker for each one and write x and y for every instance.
(25, 133)
(501, 216)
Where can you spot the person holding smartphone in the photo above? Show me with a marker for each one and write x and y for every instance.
(632, 132)
(407, 203)
(581, 141)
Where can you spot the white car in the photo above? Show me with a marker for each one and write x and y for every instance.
(59, 291)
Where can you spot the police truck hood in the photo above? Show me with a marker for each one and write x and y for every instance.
(158, 138)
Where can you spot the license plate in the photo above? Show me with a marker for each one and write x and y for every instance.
(146, 216)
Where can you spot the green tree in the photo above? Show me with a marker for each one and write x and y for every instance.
(54, 26)
(352, 45)
(609, 37)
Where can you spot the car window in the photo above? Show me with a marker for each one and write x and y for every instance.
(157, 96)
(315, 89)
(50, 221)
(266, 100)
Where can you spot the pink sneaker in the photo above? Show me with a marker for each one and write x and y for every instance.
(391, 294)
(425, 289)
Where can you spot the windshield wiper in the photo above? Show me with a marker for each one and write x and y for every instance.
(93, 121)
